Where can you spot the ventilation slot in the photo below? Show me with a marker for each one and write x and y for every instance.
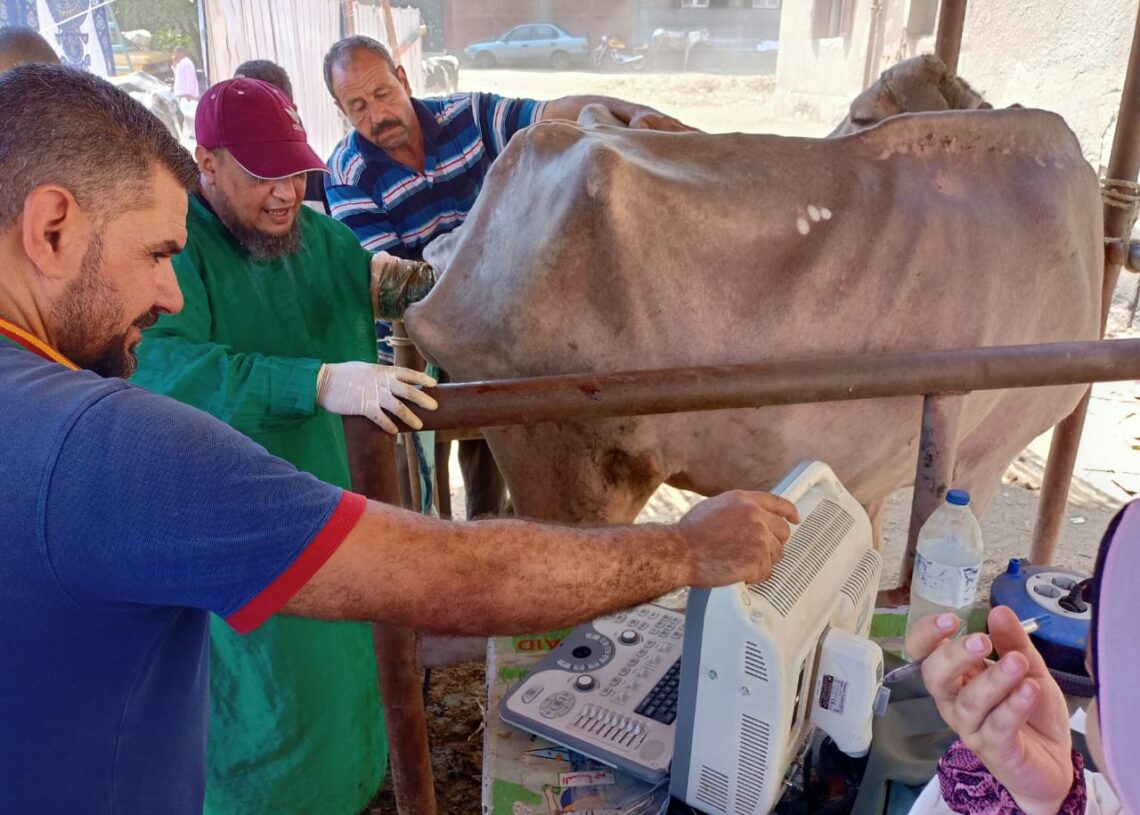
(805, 554)
(713, 789)
(864, 575)
(751, 764)
(754, 662)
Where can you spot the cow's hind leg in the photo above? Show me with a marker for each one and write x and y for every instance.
(875, 513)
(601, 472)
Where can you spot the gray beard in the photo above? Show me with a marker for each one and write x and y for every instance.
(260, 245)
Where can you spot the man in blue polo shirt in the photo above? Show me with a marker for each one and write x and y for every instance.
(412, 168)
(127, 517)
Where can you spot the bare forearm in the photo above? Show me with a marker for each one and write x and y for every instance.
(496, 577)
(502, 577)
(568, 107)
(628, 113)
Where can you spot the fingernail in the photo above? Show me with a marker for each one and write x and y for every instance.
(975, 644)
(1025, 691)
(1009, 665)
(946, 621)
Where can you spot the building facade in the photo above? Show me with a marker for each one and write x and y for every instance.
(742, 33)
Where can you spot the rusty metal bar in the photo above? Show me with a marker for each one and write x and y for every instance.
(587, 397)
(1123, 165)
(937, 448)
(951, 21)
(1059, 466)
(372, 464)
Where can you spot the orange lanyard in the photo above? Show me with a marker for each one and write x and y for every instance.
(34, 344)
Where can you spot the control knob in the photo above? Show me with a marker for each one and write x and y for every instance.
(585, 682)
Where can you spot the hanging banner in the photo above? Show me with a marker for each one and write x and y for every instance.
(78, 30)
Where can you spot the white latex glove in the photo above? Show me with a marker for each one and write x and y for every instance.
(363, 389)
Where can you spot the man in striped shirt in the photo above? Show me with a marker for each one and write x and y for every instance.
(412, 168)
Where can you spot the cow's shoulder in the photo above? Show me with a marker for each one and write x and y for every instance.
(1011, 131)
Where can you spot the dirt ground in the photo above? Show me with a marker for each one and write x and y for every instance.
(716, 103)
(1108, 466)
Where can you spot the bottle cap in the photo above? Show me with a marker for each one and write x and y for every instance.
(959, 498)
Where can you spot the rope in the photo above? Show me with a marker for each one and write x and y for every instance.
(1126, 198)
(1121, 194)
(402, 342)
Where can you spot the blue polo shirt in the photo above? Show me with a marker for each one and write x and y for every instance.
(126, 517)
(394, 208)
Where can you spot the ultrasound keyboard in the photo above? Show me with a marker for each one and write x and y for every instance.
(609, 691)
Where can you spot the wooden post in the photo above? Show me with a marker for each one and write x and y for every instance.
(390, 25)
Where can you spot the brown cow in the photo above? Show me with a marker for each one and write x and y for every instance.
(917, 85)
(597, 248)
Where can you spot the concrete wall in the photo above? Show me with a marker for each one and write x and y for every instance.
(1065, 57)
(1069, 58)
(817, 78)
(729, 27)
(467, 21)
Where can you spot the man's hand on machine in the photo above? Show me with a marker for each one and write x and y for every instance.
(737, 537)
(374, 391)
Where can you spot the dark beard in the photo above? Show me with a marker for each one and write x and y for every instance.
(260, 245)
(116, 359)
(87, 307)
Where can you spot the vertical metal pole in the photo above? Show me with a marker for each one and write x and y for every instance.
(871, 59)
(932, 476)
(1123, 165)
(951, 21)
(443, 478)
(406, 357)
(372, 463)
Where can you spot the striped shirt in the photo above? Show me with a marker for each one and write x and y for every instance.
(394, 208)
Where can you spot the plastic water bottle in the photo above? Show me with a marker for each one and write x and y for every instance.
(947, 562)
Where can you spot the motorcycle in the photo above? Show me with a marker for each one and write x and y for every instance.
(616, 52)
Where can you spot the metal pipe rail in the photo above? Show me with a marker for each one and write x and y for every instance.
(585, 397)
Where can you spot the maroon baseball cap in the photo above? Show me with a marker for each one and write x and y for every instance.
(258, 124)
